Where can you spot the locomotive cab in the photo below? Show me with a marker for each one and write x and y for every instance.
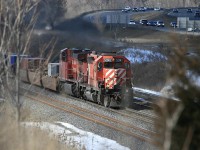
(111, 76)
(113, 72)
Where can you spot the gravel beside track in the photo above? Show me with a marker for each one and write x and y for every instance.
(42, 112)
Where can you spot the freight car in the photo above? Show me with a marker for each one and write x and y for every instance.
(102, 78)
(11, 61)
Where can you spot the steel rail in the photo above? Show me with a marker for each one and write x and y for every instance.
(137, 115)
(124, 114)
(143, 114)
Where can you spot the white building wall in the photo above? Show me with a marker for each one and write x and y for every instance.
(184, 23)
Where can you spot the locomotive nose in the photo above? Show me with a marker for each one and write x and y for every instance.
(115, 78)
(120, 76)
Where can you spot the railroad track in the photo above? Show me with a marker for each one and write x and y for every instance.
(124, 112)
(130, 114)
(100, 119)
(145, 114)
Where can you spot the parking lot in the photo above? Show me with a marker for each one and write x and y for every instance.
(172, 24)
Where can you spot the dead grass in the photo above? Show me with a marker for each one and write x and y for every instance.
(140, 34)
(149, 16)
(13, 136)
(150, 75)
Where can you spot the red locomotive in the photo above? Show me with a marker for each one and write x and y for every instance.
(103, 78)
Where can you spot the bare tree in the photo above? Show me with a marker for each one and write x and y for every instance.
(17, 21)
(181, 119)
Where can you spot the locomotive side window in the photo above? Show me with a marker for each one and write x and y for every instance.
(127, 65)
(108, 64)
(64, 56)
(100, 65)
(118, 65)
(118, 60)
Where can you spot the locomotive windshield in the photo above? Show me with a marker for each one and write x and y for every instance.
(108, 64)
(118, 65)
(115, 65)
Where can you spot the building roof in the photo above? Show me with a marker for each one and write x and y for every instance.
(183, 12)
(191, 18)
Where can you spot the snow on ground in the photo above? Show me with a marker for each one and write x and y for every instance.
(71, 135)
(141, 56)
(194, 78)
(154, 94)
(147, 91)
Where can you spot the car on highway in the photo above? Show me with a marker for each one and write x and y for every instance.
(157, 9)
(143, 21)
(197, 14)
(126, 9)
(135, 9)
(151, 23)
(189, 10)
(192, 29)
(160, 23)
(132, 22)
(142, 9)
(175, 10)
(123, 10)
(173, 24)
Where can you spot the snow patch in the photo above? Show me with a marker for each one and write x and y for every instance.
(194, 78)
(141, 56)
(71, 135)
